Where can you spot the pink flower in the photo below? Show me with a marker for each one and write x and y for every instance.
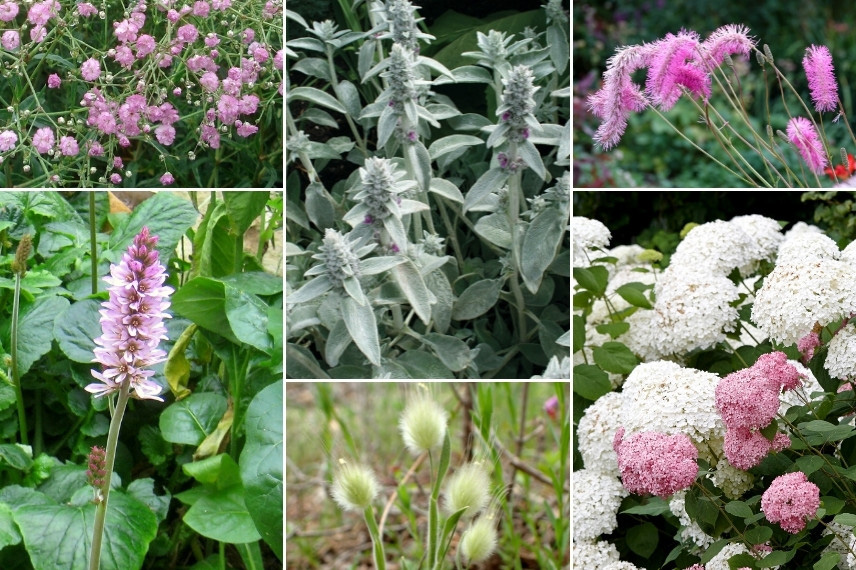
(167, 179)
(117, 162)
(261, 55)
(86, 9)
(227, 109)
(619, 96)
(124, 57)
(209, 81)
(221, 5)
(38, 33)
(775, 367)
(551, 406)
(173, 16)
(115, 179)
(201, 9)
(165, 134)
(8, 11)
(249, 104)
(43, 140)
(249, 35)
(125, 31)
(7, 140)
(821, 78)
(656, 463)
(671, 66)
(68, 146)
(745, 448)
(40, 12)
(807, 344)
(246, 129)
(802, 134)
(211, 136)
(790, 500)
(95, 149)
(728, 39)
(745, 399)
(277, 60)
(188, 33)
(271, 9)
(53, 81)
(10, 40)
(90, 69)
(132, 320)
(145, 45)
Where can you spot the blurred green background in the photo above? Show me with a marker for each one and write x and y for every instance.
(650, 153)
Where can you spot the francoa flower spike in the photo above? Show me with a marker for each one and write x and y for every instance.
(132, 322)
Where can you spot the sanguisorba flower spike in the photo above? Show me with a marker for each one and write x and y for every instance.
(821, 78)
(803, 135)
(132, 322)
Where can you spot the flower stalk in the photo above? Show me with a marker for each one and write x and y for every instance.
(19, 267)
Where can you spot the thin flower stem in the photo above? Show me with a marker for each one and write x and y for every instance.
(378, 553)
(110, 459)
(93, 247)
(846, 121)
(16, 379)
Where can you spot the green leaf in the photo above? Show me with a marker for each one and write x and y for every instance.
(846, 519)
(777, 558)
(643, 539)
(219, 471)
(477, 299)
(592, 278)
(540, 242)
(362, 326)
(590, 382)
(833, 505)
(144, 491)
(410, 281)
(739, 509)
(261, 464)
(452, 143)
(828, 432)
(177, 367)
(316, 96)
(244, 207)
(222, 515)
(203, 301)
(214, 245)
(255, 282)
(247, 316)
(579, 333)
(634, 293)
(759, 534)
(828, 561)
(490, 181)
(808, 464)
(17, 456)
(615, 357)
(614, 330)
(76, 328)
(165, 214)
(59, 535)
(190, 420)
(9, 533)
(452, 351)
(655, 506)
(35, 329)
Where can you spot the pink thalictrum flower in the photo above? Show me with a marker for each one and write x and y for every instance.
(821, 78)
(803, 135)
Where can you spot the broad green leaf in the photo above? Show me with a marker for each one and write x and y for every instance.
(808, 464)
(846, 519)
(446, 189)
(58, 535)
(144, 491)
(247, 316)
(261, 464)
(759, 534)
(540, 242)
(9, 533)
(833, 505)
(590, 382)
(452, 351)
(410, 281)
(16, 455)
(654, 506)
(739, 509)
(220, 471)
(777, 558)
(828, 561)
(165, 214)
(614, 330)
(35, 329)
(316, 96)
(214, 244)
(203, 301)
(495, 229)
(76, 328)
(190, 420)
(244, 207)
(452, 143)
(477, 299)
(490, 181)
(362, 326)
(579, 332)
(634, 293)
(222, 515)
(615, 357)
(177, 368)
(643, 539)
(592, 278)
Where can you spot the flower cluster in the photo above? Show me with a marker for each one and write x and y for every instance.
(518, 103)
(340, 258)
(378, 192)
(401, 23)
(132, 322)
(587, 234)
(354, 487)
(656, 463)
(790, 500)
(96, 472)
(596, 499)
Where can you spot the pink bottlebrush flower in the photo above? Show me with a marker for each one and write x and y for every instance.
(775, 367)
(790, 500)
(43, 140)
(7, 140)
(807, 344)
(90, 69)
(619, 96)
(53, 81)
(671, 66)
(132, 322)
(745, 399)
(656, 463)
(745, 448)
(727, 40)
(821, 78)
(803, 135)
(551, 406)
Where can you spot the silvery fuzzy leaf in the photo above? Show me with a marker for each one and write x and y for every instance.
(386, 125)
(365, 58)
(362, 326)
(316, 96)
(418, 164)
(441, 311)
(495, 229)
(337, 341)
(429, 263)
(374, 109)
(435, 65)
(356, 215)
(477, 299)
(375, 265)
(352, 287)
(497, 135)
(560, 51)
(543, 236)
(466, 74)
(314, 288)
(348, 95)
(314, 67)
(396, 231)
(441, 111)
(445, 188)
(410, 281)
(425, 114)
(412, 206)
(490, 181)
(319, 117)
(376, 69)
(469, 122)
(451, 143)
(312, 44)
(453, 352)
(530, 155)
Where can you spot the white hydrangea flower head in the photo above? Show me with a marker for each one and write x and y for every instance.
(621, 566)
(796, 296)
(587, 234)
(848, 254)
(718, 247)
(593, 555)
(807, 245)
(596, 499)
(841, 358)
(734, 482)
(799, 396)
(801, 228)
(720, 561)
(595, 431)
(690, 530)
(840, 547)
(627, 255)
(767, 235)
(667, 398)
(643, 337)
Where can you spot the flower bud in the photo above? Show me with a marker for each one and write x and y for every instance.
(25, 246)
(354, 487)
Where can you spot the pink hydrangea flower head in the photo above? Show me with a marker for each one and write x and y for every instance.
(774, 366)
(167, 179)
(745, 448)
(53, 81)
(8, 11)
(671, 66)
(821, 78)
(8, 139)
(68, 146)
(745, 399)
(656, 463)
(790, 500)
(43, 140)
(132, 321)
(803, 135)
(90, 69)
(10, 40)
(727, 40)
(807, 345)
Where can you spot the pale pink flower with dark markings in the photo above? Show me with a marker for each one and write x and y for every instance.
(821, 78)
(803, 135)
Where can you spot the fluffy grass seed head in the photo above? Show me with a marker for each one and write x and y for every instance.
(423, 424)
(479, 540)
(354, 487)
(468, 487)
